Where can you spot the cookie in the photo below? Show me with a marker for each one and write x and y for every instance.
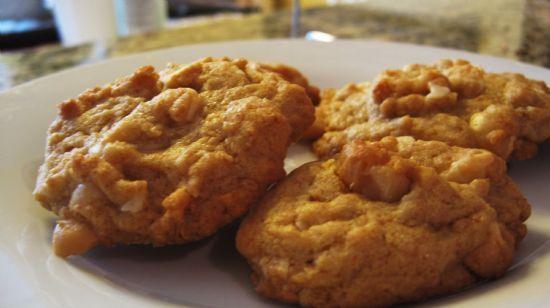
(169, 157)
(292, 75)
(451, 101)
(387, 222)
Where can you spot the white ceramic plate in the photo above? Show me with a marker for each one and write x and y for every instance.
(210, 273)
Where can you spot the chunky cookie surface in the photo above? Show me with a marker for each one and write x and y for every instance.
(168, 157)
(384, 222)
(451, 101)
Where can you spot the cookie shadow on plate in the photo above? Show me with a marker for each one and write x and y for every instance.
(531, 176)
(192, 274)
(163, 273)
(225, 257)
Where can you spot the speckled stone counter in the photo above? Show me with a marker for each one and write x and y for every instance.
(516, 29)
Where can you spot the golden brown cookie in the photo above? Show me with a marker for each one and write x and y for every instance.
(451, 101)
(384, 222)
(169, 157)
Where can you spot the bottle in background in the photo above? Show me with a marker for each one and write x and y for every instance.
(138, 16)
(80, 21)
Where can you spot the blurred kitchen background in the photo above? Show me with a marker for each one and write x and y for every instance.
(38, 37)
(29, 23)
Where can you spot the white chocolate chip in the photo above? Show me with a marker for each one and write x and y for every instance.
(437, 91)
(134, 205)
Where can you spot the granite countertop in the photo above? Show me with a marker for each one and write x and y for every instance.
(516, 29)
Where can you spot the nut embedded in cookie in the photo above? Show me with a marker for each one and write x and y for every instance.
(370, 170)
